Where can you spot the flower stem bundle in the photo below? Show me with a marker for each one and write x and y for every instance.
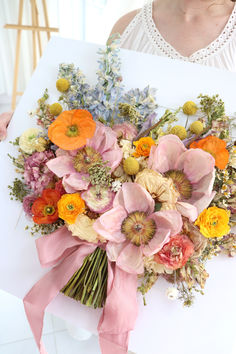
(89, 284)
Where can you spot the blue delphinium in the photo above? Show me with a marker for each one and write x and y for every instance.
(75, 97)
(142, 100)
(103, 100)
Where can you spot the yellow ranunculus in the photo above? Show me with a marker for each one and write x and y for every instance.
(213, 222)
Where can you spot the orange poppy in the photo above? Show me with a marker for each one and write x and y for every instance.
(216, 147)
(70, 206)
(71, 129)
(44, 208)
(143, 146)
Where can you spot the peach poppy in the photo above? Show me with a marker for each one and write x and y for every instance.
(216, 147)
(44, 208)
(192, 172)
(71, 129)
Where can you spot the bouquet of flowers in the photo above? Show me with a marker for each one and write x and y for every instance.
(121, 198)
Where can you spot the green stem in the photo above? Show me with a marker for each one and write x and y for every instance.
(156, 125)
(187, 121)
(89, 284)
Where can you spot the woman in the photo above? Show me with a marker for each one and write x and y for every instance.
(199, 31)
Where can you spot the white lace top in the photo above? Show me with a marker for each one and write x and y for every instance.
(142, 35)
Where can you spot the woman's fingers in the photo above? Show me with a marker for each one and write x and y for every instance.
(4, 121)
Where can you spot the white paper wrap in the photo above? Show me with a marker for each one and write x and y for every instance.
(163, 326)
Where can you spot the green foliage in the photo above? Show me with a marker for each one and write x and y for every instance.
(18, 190)
(213, 107)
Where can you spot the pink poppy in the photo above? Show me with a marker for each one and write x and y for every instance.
(73, 166)
(133, 229)
(125, 130)
(192, 172)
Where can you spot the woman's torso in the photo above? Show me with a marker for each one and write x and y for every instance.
(142, 35)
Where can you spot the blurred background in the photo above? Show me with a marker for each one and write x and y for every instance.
(89, 20)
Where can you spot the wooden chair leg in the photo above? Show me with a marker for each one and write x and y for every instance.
(36, 29)
(46, 17)
(33, 15)
(38, 32)
(17, 59)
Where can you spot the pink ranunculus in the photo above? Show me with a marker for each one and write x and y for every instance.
(4, 121)
(27, 204)
(125, 130)
(104, 142)
(37, 175)
(176, 252)
(197, 167)
(133, 229)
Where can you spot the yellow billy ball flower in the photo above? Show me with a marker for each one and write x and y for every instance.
(55, 109)
(179, 131)
(62, 85)
(131, 166)
(196, 127)
(190, 108)
(213, 222)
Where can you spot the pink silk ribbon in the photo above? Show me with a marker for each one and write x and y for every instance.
(66, 253)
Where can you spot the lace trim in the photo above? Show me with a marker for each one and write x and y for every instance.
(130, 27)
(159, 42)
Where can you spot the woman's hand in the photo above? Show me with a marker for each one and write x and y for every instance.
(4, 121)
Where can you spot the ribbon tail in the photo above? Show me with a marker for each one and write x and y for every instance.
(120, 311)
(109, 343)
(47, 288)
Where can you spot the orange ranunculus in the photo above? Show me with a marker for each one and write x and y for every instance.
(216, 147)
(71, 129)
(44, 208)
(70, 206)
(176, 252)
(143, 146)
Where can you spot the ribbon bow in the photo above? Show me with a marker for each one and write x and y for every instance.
(66, 253)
